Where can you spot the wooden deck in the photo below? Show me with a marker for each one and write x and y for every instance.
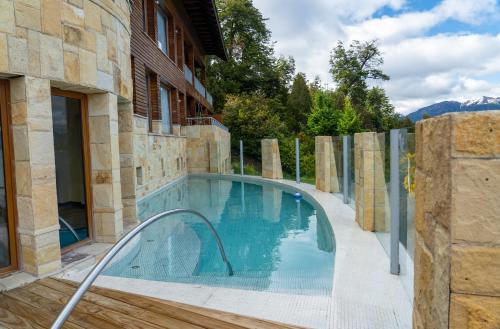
(36, 306)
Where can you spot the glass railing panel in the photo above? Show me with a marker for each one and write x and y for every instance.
(188, 74)
(199, 87)
(210, 99)
(351, 187)
(382, 173)
(337, 166)
(407, 208)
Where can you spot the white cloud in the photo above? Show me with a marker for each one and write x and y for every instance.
(423, 68)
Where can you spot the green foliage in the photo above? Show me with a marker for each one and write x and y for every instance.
(349, 122)
(287, 155)
(251, 66)
(380, 110)
(298, 105)
(351, 68)
(252, 118)
(325, 115)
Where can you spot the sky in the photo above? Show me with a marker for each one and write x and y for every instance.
(434, 50)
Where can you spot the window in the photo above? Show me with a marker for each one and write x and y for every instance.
(162, 32)
(165, 109)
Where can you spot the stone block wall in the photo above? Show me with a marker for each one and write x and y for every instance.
(457, 252)
(208, 149)
(271, 161)
(77, 44)
(158, 159)
(327, 178)
(370, 185)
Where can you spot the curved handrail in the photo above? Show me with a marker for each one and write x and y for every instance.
(70, 228)
(99, 267)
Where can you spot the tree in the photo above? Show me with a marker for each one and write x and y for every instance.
(323, 121)
(381, 111)
(351, 68)
(349, 122)
(298, 105)
(252, 118)
(251, 66)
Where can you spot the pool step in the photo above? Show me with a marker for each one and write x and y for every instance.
(36, 306)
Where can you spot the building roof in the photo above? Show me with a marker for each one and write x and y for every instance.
(203, 15)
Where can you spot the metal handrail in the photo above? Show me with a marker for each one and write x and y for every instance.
(205, 121)
(70, 228)
(99, 267)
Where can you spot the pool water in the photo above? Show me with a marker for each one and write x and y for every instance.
(274, 241)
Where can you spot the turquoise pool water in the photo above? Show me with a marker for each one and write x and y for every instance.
(273, 241)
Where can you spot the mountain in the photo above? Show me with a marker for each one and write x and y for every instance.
(482, 104)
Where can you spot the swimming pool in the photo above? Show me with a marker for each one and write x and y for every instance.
(274, 241)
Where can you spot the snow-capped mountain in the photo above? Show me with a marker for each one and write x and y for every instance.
(483, 104)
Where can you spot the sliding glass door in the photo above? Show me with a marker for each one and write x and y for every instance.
(72, 169)
(8, 252)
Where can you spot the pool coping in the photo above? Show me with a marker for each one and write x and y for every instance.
(364, 294)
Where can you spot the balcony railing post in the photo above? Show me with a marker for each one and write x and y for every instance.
(394, 201)
(242, 169)
(297, 160)
(345, 158)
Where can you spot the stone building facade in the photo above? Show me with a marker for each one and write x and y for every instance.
(82, 133)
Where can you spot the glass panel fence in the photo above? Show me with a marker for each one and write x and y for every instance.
(337, 166)
(382, 177)
(351, 184)
(407, 208)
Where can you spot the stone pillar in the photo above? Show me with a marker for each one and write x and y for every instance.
(127, 165)
(271, 162)
(323, 157)
(214, 150)
(36, 194)
(369, 156)
(457, 221)
(105, 159)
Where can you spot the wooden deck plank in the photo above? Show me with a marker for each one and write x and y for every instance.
(36, 306)
(187, 312)
(119, 306)
(41, 318)
(13, 321)
(118, 319)
(85, 320)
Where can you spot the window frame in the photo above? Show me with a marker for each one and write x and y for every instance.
(168, 89)
(161, 13)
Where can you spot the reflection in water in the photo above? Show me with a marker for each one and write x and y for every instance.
(272, 241)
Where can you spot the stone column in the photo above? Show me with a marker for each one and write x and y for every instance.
(323, 157)
(369, 156)
(457, 250)
(105, 159)
(36, 194)
(127, 164)
(271, 162)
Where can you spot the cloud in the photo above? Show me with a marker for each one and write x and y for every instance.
(424, 66)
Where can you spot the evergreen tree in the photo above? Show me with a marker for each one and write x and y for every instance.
(298, 105)
(349, 122)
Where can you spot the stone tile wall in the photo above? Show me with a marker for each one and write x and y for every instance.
(158, 159)
(77, 44)
(208, 149)
(370, 185)
(271, 161)
(457, 253)
(327, 179)
(36, 196)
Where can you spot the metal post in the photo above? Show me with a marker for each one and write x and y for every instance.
(394, 201)
(297, 160)
(242, 169)
(345, 158)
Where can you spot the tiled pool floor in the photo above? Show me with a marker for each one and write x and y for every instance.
(365, 294)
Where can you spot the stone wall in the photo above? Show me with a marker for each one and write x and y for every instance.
(457, 253)
(370, 185)
(271, 161)
(208, 149)
(327, 178)
(158, 159)
(83, 45)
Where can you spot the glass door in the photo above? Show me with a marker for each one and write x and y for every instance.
(72, 170)
(8, 251)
